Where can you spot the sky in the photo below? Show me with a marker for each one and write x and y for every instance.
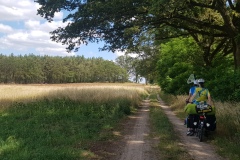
(23, 32)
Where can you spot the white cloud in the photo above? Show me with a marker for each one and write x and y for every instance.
(5, 28)
(46, 26)
(38, 40)
(18, 10)
(24, 30)
(32, 24)
(119, 53)
(133, 55)
(15, 10)
(54, 51)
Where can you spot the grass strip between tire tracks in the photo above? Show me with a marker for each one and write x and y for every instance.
(169, 143)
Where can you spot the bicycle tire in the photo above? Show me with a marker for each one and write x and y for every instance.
(201, 132)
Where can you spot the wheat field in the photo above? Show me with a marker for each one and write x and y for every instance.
(12, 93)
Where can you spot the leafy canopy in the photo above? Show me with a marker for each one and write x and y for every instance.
(122, 23)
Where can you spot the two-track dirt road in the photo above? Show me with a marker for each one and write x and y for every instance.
(136, 144)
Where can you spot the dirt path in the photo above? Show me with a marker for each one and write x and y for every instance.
(136, 144)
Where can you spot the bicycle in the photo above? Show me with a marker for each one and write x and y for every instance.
(202, 109)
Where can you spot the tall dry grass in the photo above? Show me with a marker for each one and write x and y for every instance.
(228, 118)
(10, 94)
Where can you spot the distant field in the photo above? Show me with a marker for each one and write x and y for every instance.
(11, 93)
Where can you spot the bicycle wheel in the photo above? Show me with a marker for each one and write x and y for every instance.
(200, 132)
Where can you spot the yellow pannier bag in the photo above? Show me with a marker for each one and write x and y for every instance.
(190, 108)
(213, 112)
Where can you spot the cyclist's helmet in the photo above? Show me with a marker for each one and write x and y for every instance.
(195, 82)
(200, 80)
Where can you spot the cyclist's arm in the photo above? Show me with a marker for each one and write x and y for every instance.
(192, 97)
(189, 96)
(209, 99)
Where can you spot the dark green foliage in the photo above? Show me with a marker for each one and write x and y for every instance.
(45, 69)
(175, 65)
(57, 129)
(122, 24)
(224, 84)
(181, 57)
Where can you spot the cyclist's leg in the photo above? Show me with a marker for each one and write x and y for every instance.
(190, 125)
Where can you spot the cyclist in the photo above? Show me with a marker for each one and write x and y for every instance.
(191, 118)
(201, 94)
(192, 90)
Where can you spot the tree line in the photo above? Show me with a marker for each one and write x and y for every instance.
(46, 69)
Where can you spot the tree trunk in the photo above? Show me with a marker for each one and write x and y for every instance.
(236, 53)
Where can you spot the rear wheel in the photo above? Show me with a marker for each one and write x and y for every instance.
(200, 132)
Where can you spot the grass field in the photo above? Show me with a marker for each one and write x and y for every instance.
(53, 122)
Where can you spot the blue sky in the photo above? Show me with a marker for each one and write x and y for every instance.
(24, 32)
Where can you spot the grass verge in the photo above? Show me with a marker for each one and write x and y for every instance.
(169, 143)
(56, 129)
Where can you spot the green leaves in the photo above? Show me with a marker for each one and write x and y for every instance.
(176, 64)
(121, 24)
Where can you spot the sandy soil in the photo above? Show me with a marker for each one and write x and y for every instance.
(139, 146)
(136, 144)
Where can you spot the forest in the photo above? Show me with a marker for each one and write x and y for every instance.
(45, 69)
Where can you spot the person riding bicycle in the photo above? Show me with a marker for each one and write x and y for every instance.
(201, 94)
(192, 90)
(191, 118)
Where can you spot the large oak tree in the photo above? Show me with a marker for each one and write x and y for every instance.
(120, 23)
